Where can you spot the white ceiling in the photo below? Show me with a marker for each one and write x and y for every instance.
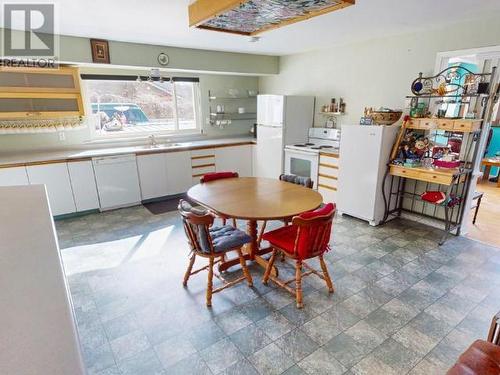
(165, 22)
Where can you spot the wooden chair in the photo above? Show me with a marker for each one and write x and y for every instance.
(482, 357)
(306, 182)
(306, 238)
(214, 176)
(211, 243)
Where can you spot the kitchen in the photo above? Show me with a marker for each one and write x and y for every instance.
(261, 154)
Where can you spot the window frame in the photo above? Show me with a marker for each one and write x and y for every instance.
(196, 93)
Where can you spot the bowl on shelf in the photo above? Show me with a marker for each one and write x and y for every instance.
(385, 117)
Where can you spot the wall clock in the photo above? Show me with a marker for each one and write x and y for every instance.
(163, 59)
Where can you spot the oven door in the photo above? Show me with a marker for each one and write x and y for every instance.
(302, 163)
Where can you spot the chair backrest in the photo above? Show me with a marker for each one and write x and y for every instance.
(217, 176)
(313, 233)
(298, 180)
(196, 224)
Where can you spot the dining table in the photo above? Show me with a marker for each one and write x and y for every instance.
(253, 199)
(488, 163)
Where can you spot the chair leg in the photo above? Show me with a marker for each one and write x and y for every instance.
(269, 267)
(235, 224)
(478, 204)
(210, 281)
(298, 284)
(223, 220)
(189, 269)
(326, 275)
(243, 264)
(261, 233)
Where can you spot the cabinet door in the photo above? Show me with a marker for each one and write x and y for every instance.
(13, 176)
(82, 178)
(153, 175)
(56, 178)
(178, 172)
(235, 159)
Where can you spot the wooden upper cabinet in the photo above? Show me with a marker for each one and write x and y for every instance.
(40, 93)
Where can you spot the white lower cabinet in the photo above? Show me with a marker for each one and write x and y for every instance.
(153, 175)
(178, 172)
(13, 176)
(56, 179)
(235, 159)
(81, 174)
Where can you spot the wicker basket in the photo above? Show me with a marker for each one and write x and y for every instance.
(385, 118)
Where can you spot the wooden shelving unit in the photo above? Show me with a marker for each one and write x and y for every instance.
(455, 183)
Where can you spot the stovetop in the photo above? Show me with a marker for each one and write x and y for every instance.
(320, 139)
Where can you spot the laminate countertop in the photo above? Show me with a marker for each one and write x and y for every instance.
(27, 158)
(38, 330)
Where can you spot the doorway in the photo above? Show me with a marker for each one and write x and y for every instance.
(482, 209)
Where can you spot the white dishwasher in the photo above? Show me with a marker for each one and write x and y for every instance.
(117, 181)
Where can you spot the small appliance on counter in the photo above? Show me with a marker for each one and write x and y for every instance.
(302, 159)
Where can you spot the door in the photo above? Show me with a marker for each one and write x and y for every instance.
(153, 175)
(235, 159)
(178, 172)
(270, 110)
(303, 164)
(13, 176)
(82, 178)
(269, 152)
(56, 178)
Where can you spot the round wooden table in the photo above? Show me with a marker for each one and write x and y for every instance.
(252, 199)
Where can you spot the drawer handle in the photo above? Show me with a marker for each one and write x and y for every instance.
(434, 176)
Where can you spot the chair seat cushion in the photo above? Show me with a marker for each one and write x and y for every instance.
(481, 357)
(227, 237)
(218, 176)
(284, 237)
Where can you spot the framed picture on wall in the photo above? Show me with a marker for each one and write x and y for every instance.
(100, 51)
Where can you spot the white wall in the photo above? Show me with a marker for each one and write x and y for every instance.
(376, 72)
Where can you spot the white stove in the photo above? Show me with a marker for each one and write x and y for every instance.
(320, 139)
(302, 159)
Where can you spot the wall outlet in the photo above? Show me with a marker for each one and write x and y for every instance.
(62, 136)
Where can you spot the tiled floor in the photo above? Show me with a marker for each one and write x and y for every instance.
(402, 305)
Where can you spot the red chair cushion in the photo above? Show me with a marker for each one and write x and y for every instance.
(284, 237)
(481, 357)
(218, 176)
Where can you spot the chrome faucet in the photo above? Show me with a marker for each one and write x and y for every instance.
(152, 141)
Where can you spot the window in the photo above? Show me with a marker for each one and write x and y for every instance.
(126, 106)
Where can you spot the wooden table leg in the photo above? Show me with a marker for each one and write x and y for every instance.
(252, 252)
(486, 173)
(252, 232)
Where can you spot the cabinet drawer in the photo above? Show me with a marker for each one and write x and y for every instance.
(329, 160)
(404, 172)
(329, 195)
(426, 124)
(195, 154)
(325, 169)
(435, 178)
(445, 124)
(200, 171)
(466, 126)
(413, 123)
(327, 180)
(203, 161)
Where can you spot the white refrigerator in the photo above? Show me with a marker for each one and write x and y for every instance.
(281, 120)
(364, 154)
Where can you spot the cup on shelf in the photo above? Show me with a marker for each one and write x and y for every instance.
(241, 110)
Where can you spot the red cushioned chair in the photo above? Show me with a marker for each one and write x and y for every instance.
(214, 176)
(306, 238)
(482, 357)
